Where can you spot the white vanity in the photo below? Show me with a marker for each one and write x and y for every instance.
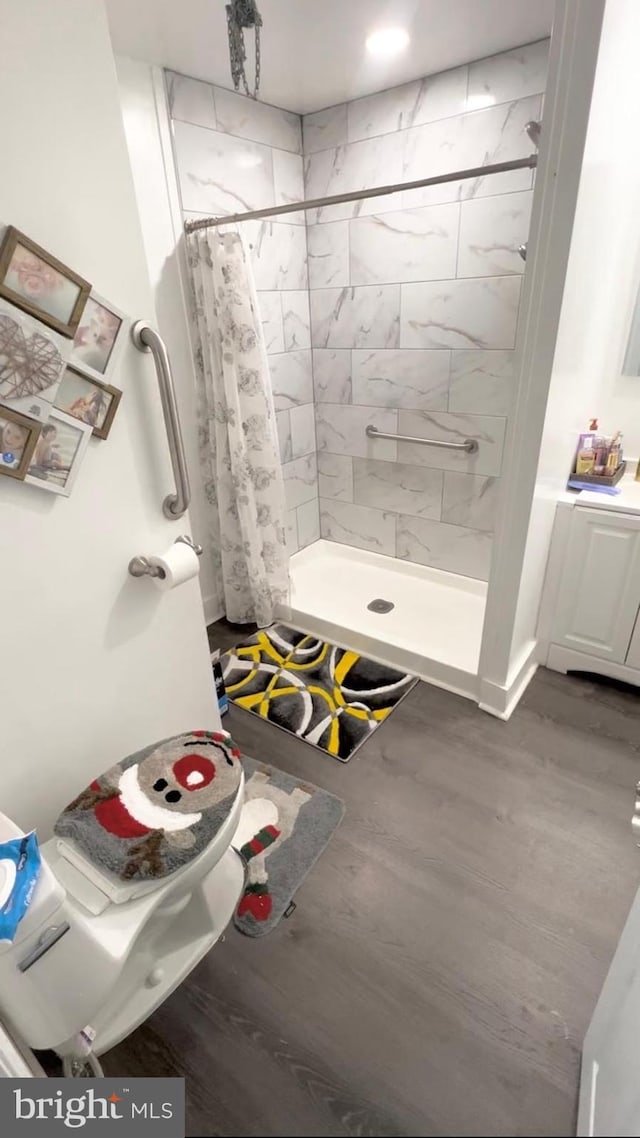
(590, 619)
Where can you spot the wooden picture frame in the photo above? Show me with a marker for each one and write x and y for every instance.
(40, 284)
(58, 454)
(97, 408)
(12, 463)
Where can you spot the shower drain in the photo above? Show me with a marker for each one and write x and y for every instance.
(380, 605)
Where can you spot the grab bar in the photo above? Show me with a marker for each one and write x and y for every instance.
(146, 339)
(469, 445)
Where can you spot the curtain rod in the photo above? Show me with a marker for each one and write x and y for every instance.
(319, 203)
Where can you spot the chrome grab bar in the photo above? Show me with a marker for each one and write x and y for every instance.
(469, 445)
(146, 339)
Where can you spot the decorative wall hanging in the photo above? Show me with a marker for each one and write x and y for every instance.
(18, 438)
(58, 453)
(31, 363)
(88, 400)
(98, 339)
(40, 284)
(243, 14)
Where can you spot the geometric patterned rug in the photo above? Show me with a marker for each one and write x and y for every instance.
(330, 697)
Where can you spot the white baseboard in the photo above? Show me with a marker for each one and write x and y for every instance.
(501, 700)
(213, 610)
(566, 660)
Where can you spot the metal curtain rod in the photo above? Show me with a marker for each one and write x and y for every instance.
(357, 195)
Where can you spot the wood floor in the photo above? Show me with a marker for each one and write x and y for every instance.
(442, 964)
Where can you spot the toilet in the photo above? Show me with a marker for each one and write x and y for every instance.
(139, 881)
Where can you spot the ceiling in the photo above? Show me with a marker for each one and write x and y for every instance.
(313, 51)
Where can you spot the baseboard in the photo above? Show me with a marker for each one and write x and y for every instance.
(501, 700)
(213, 610)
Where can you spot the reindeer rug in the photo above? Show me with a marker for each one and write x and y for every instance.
(284, 827)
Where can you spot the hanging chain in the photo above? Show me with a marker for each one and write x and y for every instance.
(243, 14)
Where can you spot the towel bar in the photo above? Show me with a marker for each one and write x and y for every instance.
(469, 445)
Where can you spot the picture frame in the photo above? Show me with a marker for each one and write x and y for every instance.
(32, 363)
(18, 438)
(58, 453)
(98, 338)
(88, 400)
(38, 283)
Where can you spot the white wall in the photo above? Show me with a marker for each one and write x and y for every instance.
(146, 123)
(556, 387)
(94, 663)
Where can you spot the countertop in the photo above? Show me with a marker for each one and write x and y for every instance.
(626, 502)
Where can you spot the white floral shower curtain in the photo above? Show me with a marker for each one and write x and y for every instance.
(239, 451)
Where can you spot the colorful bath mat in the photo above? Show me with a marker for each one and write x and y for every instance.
(328, 696)
(284, 827)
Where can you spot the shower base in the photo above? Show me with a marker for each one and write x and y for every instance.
(434, 628)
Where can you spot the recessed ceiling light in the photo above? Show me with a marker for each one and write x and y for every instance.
(477, 102)
(387, 41)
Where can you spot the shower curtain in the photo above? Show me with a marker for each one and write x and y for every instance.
(238, 440)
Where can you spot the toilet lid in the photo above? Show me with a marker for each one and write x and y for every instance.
(158, 809)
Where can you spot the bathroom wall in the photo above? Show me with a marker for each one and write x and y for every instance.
(233, 154)
(414, 303)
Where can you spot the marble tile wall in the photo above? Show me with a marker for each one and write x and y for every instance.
(234, 154)
(414, 304)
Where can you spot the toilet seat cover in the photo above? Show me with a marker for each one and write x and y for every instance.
(158, 809)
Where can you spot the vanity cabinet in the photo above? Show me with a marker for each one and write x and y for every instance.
(594, 573)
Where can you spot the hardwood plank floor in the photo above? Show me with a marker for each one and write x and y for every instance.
(440, 970)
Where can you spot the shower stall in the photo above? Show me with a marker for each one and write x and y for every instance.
(389, 302)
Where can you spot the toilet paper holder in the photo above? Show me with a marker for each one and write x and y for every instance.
(142, 567)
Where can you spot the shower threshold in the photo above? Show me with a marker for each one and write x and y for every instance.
(434, 628)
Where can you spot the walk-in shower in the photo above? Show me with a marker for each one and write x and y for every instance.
(387, 239)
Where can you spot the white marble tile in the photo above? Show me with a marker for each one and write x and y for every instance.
(291, 379)
(335, 476)
(481, 382)
(469, 500)
(270, 308)
(453, 548)
(358, 525)
(436, 97)
(410, 245)
(325, 129)
(303, 430)
(491, 229)
(288, 181)
(408, 378)
(308, 516)
(190, 100)
(332, 375)
(250, 118)
(358, 166)
(479, 313)
(283, 424)
(447, 427)
(496, 134)
(365, 317)
(219, 174)
(397, 486)
(510, 75)
(278, 254)
(328, 250)
(292, 533)
(340, 429)
(300, 480)
(295, 320)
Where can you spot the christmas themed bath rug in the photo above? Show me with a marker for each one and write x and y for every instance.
(328, 696)
(284, 827)
(156, 810)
